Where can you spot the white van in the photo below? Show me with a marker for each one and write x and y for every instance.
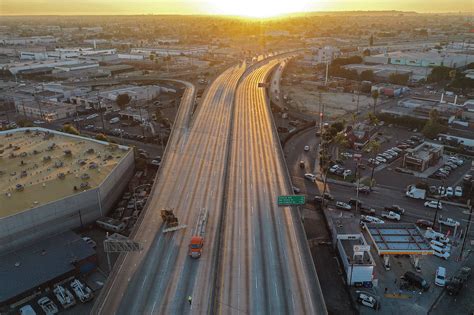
(431, 234)
(114, 120)
(110, 224)
(440, 252)
(440, 278)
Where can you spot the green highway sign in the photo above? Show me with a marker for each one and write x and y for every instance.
(291, 200)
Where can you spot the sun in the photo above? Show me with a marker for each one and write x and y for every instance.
(258, 8)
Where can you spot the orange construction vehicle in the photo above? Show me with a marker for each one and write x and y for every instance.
(197, 239)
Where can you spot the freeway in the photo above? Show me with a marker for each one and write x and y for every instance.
(265, 263)
(159, 279)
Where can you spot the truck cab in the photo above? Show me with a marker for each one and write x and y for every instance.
(195, 246)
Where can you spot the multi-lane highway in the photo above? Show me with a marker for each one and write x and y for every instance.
(265, 267)
(226, 159)
(159, 279)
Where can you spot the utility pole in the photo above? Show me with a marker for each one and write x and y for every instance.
(468, 222)
(436, 212)
(100, 110)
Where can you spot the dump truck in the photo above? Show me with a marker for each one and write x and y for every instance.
(197, 239)
(170, 220)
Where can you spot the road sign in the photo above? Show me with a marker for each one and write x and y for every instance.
(291, 200)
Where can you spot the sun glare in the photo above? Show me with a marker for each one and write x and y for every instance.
(258, 8)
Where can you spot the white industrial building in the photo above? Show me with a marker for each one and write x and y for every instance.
(47, 203)
(136, 93)
(44, 109)
(421, 59)
(356, 258)
(171, 51)
(28, 40)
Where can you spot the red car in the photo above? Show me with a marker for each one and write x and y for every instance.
(424, 223)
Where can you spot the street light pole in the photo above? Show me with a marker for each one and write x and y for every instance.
(468, 222)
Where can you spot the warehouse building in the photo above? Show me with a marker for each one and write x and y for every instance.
(41, 265)
(52, 182)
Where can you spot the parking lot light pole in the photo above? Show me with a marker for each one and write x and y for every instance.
(436, 212)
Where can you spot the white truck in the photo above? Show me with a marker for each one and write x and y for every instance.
(83, 292)
(391, 216)
(114, 120)
(433, 235)
(448, 222)
(415, 193)
(64, 296)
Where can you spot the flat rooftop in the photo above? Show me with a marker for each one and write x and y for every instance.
(30, 267)
(48, 165)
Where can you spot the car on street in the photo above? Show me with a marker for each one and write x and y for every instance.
(434, 204)
(467, 178)
(306, 148)
(396, 209)
(318, 200)
(354, 202)
(368, 300)
(424, 223)
(302, 164)
(371, 219)
(328, 196)
(343, 205)
(448, 222)
(296, 190)
(391, 216)
(310, 176)
(364, 190)
(368, 211)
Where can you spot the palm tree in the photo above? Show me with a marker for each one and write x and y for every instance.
(375, 96)
(374, 147)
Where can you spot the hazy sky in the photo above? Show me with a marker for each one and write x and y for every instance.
(233, 7)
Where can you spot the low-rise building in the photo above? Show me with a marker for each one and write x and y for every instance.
(423, 156)
(41, 109)
(359, 135)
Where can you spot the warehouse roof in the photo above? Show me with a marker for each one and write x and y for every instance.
(30, 267)
(39, 166)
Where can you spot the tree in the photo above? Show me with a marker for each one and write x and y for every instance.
(367, 75)
(398, 78)
(68, 128)
(375, 96)
(373, 146)
(366, 52)
(434, 126)
(340, 139)
(102, 137)
(373, 119)
(123, 100)
(439, 74)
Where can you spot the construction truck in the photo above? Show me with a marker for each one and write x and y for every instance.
(170, 220)
(197, 239)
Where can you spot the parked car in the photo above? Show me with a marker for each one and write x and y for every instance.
(64, 296)
(83, 292)
(368, 300)
(364, 190)
(440, 277)
(306, 148)
(380, 159)
(48, 306)
(440, 252)
(90, 241)
(343, 205)
(424, 223)
(448, 222)
(347, 173)
(27, 310)
(391, 216)
(449, 192)
(310, 176)
(458, 191)
(416, 280)
(434, 204)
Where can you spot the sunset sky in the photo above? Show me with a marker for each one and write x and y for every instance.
(254, 8)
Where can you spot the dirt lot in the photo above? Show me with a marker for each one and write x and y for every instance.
(305, 98)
